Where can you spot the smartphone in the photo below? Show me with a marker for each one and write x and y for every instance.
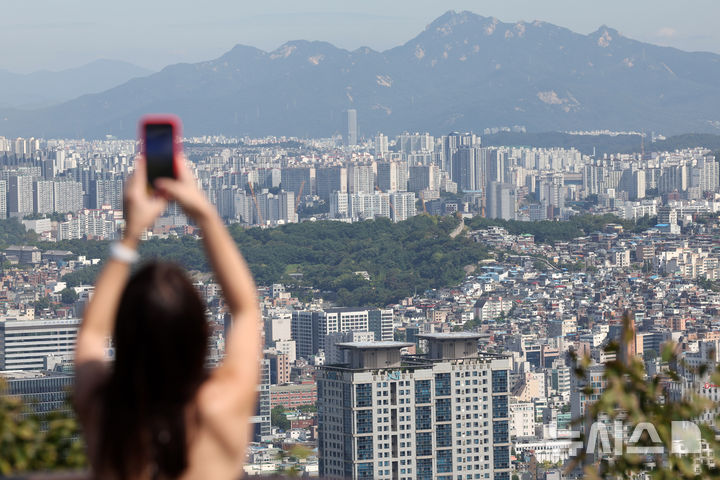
(160, 144)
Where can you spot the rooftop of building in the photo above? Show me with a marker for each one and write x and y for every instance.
(28, 375)
(24, 248)
(350, 309)
(450, 336)
(374, 345)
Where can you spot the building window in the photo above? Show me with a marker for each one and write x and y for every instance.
(442, 410)
(501, 457)
(499, 381)
(500, 407)
(423, 444)
(424, 469)
(442, 384)
(443, 435)
(423, 418)
(500, 431)
(365, 448)
(444, 461)
(422, 391)
(365, 470)
(364, 421)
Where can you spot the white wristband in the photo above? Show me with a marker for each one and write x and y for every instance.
(120, 252)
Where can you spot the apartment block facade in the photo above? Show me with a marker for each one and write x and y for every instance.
(443, 415)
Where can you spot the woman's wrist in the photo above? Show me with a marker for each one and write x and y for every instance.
(124, 253)
(130, 239)
(205, 214)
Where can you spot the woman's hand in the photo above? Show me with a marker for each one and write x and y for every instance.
(142, 206)
(185, 191)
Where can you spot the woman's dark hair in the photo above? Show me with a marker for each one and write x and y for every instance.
(161, 337)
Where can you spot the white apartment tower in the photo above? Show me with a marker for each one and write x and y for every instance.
(43, 196)
(3, 199)
(20, 195)
(361, 179)
(381, 145)
(403, 205)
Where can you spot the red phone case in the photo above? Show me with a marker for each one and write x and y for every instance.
(163, 118)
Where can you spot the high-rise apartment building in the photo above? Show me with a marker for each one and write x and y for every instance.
(361, 179)
(501, 201)
(443, 415)
(310, 328)
(415, 142)
(277, 208)
(339, 205)
(3, 199)
(224, 201)
(108, 191)
(424, 177)
(403, 206)
(552, 193)
(633, 182)
(329, 180)
(20, 195)
(279, 365)
(261, 420)
(365, 206)
(706, 174)
(305, 328)
(67, 196)
(352, 130)
(380, 322)
(44, 196)
(392, 176)
(299, 180)
(467, 169)
(450, 145)
(381, 146)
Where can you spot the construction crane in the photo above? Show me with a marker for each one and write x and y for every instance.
(299, 195)
(257, 206)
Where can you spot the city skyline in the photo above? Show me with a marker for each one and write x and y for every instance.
(421, 349)
(186, 35)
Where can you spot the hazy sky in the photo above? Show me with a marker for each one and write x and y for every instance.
(57, 34)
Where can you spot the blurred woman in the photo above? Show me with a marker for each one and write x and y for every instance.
(156, 412)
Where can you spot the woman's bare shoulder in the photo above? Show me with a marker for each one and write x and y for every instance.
(224, 414)
(90, 377)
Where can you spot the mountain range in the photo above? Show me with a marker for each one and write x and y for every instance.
(45, 88)
(463, 72)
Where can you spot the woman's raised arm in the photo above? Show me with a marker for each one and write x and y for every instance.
(243, 347)
(142, 208)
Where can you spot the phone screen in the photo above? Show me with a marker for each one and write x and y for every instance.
(159, 151)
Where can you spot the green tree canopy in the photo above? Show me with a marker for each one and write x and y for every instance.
(69, 296)
(278, 418)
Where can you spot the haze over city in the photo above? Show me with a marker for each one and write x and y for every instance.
(44, 34)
